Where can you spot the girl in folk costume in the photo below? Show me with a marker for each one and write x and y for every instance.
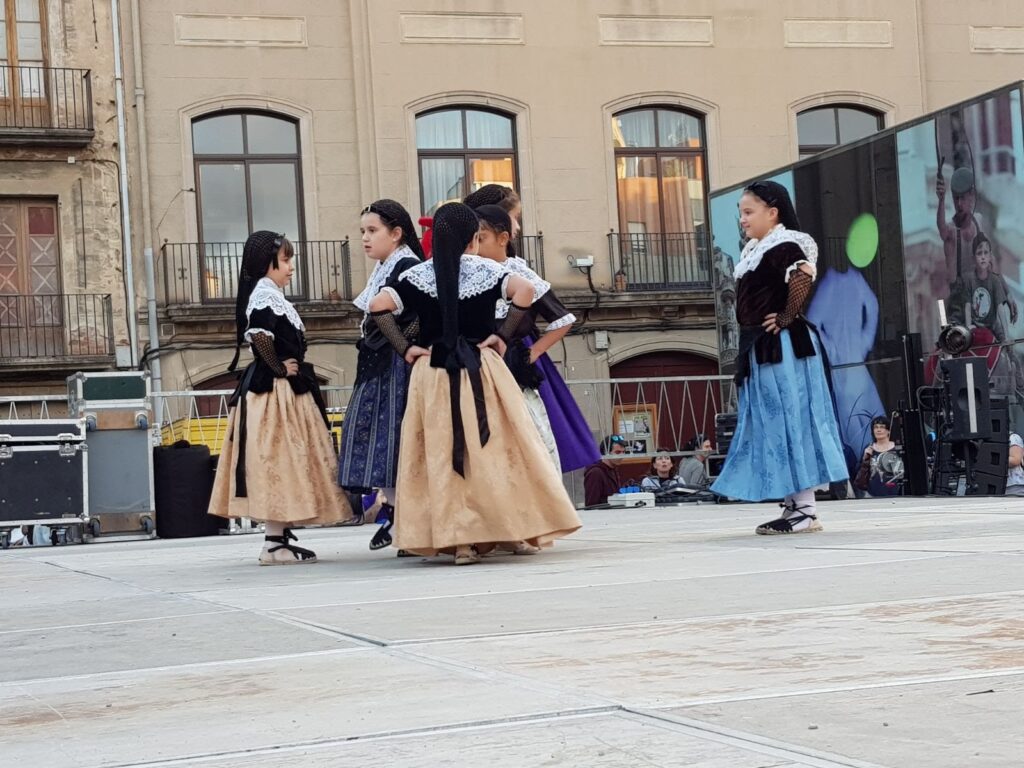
(547, 394)
(472, 470)
(787, 438)
(495, 235)
(278, 463)
(370, 434)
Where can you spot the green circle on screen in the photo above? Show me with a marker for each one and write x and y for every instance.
(862, 240)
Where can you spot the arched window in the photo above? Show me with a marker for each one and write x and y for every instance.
(461, 150)
(661, 186)
(822, 128)
(248, 176)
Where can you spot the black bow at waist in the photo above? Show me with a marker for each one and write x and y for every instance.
(464, 356)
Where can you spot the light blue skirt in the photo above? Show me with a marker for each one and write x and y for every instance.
(787, 438)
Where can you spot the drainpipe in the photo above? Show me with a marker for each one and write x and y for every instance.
(126, 216)
(147, 216)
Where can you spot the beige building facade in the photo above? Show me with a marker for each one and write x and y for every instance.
(63, 290)
(614, 120)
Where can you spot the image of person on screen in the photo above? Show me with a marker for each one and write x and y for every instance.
(987, 291)
(957, 235)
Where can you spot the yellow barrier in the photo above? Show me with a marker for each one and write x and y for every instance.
(210, 431)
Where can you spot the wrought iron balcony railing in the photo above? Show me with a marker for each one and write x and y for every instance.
(660, 261)
(55, 327)
(45, 105)
(531, 248)
(207, 273)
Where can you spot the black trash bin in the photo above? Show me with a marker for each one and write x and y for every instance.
(183, 483)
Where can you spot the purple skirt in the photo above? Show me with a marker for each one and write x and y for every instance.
(576, 446)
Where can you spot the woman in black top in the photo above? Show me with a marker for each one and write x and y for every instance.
(278, 463)
(472, 470)
(787, 437)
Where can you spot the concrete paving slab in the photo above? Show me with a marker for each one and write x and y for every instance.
(173, 653)
(606, 741)
(673, 664)
(140, 717)
(941, 725)
(497, 613)
(61, 651)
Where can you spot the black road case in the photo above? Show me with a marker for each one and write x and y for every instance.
(44, 472)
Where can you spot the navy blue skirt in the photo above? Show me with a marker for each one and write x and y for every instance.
(371, 432)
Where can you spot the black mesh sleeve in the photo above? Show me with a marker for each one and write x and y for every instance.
(263, 348)
(515, 323)
(799, 290)
(549, 307)
(388, 324)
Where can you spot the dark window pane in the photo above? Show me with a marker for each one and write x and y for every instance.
(634, 129)
(440, 130)
(678, 129)
(219, 135)
(224, 211)
(856, 124)
(817, 127)
(485, 130)
(271, 135)
(443, 181)
(275, 198)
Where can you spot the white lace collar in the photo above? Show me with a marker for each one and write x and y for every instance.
(268, 294)
(755, 250)
(381, 272)
(519, 267)
(476, 275)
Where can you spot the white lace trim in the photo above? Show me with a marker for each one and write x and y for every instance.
(399, 304)
(477, 275)
(561, 322)
(756, 249)
(518, 266)
(381, 272)
(255, 331)
(267, 294)
(797, 264)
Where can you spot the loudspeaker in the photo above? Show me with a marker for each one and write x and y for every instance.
(725, 430)
(986, 484)
(966, 381)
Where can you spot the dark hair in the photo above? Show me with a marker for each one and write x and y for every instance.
(393, 214)
(663, 452)
(979, 239)
(259, 254)
(608, 442)
(493, 194)
(695, 443)
(455, 225)
(880, 420)
(494, 218)
(774, 195)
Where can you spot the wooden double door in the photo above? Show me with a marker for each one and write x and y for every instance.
(32, 315)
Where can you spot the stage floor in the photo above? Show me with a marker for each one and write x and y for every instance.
(667, 637)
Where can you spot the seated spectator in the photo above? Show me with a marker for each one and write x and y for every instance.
(694, 469)
(1015, 473)
(601, 479)
(881, 468)
(663, 473)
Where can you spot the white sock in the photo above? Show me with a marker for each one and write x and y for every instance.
(804, 504)
(274, 529)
